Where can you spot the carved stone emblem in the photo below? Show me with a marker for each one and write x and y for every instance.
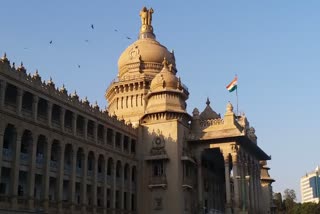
(134, 52)
(158, 146)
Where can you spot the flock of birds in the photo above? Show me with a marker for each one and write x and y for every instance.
(86, 40)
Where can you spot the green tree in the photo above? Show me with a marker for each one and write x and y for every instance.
(277, 200)
(289, 200)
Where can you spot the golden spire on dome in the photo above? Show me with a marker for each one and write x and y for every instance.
(146, 30)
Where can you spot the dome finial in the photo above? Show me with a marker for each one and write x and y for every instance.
(208, 101)
(229, 108)
(4, 58)
(146, 30)
(165, 62)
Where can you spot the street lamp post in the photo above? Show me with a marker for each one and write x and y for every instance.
(243, 191)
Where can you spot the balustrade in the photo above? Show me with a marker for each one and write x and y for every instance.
(7, 154)
(24, 158)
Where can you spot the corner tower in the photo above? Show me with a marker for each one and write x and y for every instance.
(137, 66)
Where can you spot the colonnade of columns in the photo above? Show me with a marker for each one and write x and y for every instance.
(246, 182)
(41, 163)
(242, 181)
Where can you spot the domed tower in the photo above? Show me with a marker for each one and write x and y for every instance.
(137, 66)
(167, 97)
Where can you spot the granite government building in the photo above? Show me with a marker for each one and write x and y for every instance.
(144, 154)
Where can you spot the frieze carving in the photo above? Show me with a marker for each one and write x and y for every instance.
(134, 52)
(207, 123)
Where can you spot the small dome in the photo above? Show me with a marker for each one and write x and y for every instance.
(208, 113)
(165, 79)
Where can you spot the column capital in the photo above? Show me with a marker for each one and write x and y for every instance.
(235, 158)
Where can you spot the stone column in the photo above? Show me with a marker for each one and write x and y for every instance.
(130, 189)
(251, 184)
(121, 142)
(73, 178)
(15, 170)
(199, 178)
(74, 123)
(49, 113)
(105, 184)
(114, 139)
(122, 189)
(95, 131)
(19, 101)
(258, 185)
(254, 184)
(35, 107)
(247, 184)
(2, 130)
(60, 176)
(114, 188)
(227, 178)
(236, 182)
(31, 177)
(129, 145)
(105, 135)
(62, 118)
(95, 181)
(3, 85)
(46, 175)
(85, 129)
(84, 182)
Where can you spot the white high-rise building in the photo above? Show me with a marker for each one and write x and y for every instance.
(309, 185)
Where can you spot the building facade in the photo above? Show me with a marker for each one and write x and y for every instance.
(310, 187)
(144, 154)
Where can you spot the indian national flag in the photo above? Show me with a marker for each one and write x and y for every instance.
(233, 85)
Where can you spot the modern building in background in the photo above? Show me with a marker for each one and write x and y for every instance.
(310, 187)
(145, 154)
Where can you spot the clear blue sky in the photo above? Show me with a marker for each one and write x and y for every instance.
(273, 46)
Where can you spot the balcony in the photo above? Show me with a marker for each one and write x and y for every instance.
(42, 119)
(100, 177)
(24, 158)
(56, 124)
(188, 182)
(79, 171)
(68, 129)
(26, 112)
(7, 154)
(90, 173)
(53, 165)
(158, 181)
(67, 169)
(39, 160)
(110, 180)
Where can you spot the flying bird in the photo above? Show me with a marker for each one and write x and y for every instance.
(50, 42)
(92, 26)
(115, 30)
(86, 40)
(78, 66)
(128, 37)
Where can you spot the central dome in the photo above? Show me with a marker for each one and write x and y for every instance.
(146, 52)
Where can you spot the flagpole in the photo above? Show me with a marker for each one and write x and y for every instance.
(237, 101)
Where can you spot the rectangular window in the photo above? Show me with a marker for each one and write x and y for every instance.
(158, 168)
